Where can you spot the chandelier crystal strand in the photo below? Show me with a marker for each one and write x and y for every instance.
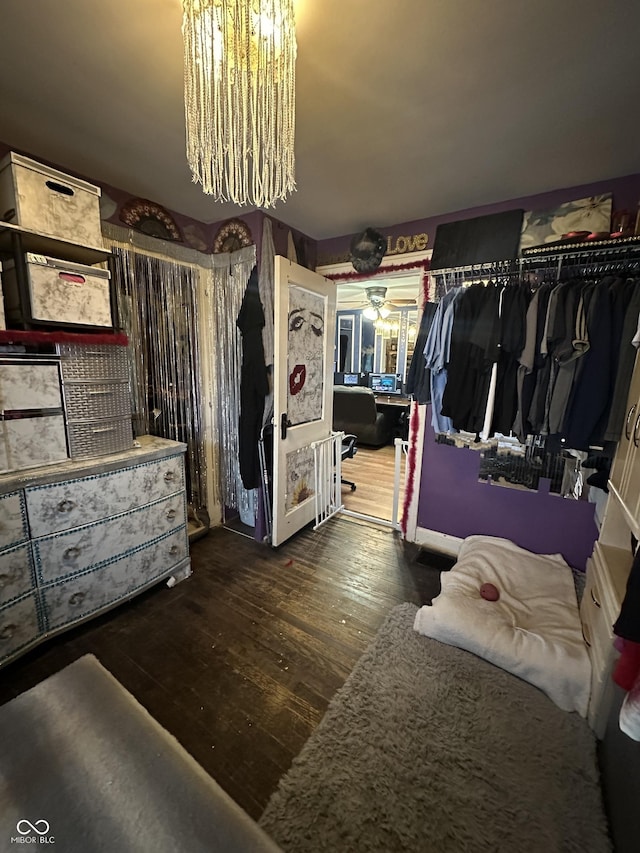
(239, 94)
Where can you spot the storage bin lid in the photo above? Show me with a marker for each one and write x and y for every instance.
(27, 163)
(61, 266)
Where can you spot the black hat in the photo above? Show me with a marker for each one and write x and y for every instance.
(367, 250)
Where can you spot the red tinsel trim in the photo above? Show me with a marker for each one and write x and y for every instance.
(360, 276)
(23, 336)
(411, 465)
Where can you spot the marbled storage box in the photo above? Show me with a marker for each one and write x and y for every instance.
(32, 430)
(60, 292)
(45, 200)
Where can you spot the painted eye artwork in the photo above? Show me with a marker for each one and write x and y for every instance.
(306, 341)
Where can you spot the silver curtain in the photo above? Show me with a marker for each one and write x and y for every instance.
(157, 305)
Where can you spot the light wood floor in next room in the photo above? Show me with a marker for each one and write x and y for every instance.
(240, 661)
(372, 470)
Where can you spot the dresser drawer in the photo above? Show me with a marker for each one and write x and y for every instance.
(16, 572)
(99, 438)
(19, 625)
(29, 385)
(93, 363)
(76, 502)
(68, 553)
(13, 519)
(32, 442)
(88, 401)
(74, 599)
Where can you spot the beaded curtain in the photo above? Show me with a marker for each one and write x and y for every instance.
(157, 306)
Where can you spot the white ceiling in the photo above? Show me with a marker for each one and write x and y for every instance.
(405, 109)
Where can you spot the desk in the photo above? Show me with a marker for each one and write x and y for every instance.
(399, 407)
(383, 400)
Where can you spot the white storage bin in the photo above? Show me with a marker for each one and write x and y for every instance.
(32, 441)
(59, 292)
(43, 199)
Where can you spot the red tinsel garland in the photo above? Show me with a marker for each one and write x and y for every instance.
(23, 336)
(411, 464)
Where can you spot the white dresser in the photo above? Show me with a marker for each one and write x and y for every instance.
(609, 566)
(79, 537)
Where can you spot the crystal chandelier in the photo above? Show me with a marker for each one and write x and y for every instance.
(239, 94)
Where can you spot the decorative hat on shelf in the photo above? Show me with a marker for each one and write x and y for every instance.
(367, 250)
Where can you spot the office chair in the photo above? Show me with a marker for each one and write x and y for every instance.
(348, 451)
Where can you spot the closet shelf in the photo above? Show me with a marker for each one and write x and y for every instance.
(42, 244)
(622, 243)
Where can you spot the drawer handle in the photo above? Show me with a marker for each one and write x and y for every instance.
(171, 514)
(99, 393)
(594, 599)
(77, 598)
(174, 550)
(635, 432)
(72, 553)
(584, 637)
(169, 476)
(8, 631)
(102, 429)
(66, 505)
(627, 426)
(73, 278)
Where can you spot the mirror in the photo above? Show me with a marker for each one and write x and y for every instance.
(346, 339)
(367, 346)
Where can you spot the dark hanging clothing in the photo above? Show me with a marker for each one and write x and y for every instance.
(419, 376)
(593, 385)
(513, 318)
(537, 382)
(628, 622)
(254, 385)
(465, 386)
(626, 360)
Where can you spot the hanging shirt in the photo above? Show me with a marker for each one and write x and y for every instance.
(418, 377)
(437, 353)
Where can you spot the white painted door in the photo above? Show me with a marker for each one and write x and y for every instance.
(305, 317)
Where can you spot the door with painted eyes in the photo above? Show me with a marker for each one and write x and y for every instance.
(303, 390)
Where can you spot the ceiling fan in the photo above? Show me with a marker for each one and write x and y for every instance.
(376, 305)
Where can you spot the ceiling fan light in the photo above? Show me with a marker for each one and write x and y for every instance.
(384, 312)
(370, 313)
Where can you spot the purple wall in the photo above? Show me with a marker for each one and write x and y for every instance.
(453, 500)
(626, 195)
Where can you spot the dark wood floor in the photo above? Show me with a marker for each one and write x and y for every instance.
(240, 661)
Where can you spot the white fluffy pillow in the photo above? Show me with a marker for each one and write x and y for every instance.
(533, 630)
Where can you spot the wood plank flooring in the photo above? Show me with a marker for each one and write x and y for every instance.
(240, 661)
(372, 470)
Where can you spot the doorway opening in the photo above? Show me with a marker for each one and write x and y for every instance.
(377, 321)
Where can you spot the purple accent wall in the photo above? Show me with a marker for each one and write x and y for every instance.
(626, 195)
(453, 500)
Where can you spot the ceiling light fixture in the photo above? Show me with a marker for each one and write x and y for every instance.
(239, 95)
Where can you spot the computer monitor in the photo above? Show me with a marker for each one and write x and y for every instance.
(346, 378)
(386, 383)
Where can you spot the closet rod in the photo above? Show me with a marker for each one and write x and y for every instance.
(549, 255)
(488, 266)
